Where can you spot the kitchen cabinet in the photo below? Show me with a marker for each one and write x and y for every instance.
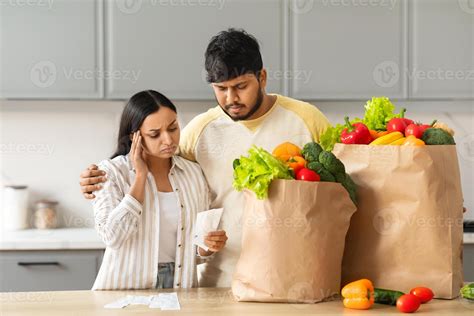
(160, 45)
(441, 49)
(48, 270)
(348, 50)
(468, 262)
(51, 49)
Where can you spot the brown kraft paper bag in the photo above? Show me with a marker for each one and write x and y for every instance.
(293, 243)
(408, 229)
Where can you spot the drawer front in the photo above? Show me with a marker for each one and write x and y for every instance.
(468, 256)
(48, 270)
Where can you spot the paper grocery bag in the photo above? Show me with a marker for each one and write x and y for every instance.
(408, 229)
(293, 243)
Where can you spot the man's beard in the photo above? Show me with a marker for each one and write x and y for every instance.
(253, 110)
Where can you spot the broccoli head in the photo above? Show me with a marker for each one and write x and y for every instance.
(437, 136)
(325, 175)
(331, 163)
(311, 151)
(351, 188)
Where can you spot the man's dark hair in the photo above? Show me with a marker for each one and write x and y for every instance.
(232, 53)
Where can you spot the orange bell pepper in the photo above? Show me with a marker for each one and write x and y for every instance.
(376, 134)
(286, 150)
(413, 141)
(296, 163)
(358, 294)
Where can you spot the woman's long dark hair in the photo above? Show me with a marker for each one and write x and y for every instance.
(137, 109)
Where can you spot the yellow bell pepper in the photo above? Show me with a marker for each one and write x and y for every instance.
(398, 142)
(358, 294)
(413, 141)
(387, 139)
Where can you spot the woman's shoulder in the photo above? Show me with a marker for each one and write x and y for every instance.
(117, 165)
(188, 165)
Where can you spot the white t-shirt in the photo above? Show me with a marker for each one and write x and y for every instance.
(169, 217)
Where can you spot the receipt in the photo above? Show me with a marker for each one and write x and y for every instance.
(206, 222)
(165, 301)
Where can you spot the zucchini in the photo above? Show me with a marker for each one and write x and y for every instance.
(387, 297)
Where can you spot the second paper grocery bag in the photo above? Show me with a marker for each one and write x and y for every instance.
(407, 231)
(293, 242)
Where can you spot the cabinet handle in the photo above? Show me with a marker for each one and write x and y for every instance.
(46, 263)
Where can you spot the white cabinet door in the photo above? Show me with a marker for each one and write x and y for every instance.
(160, 44)
(51, 49)
(442, 49)
(348, 49)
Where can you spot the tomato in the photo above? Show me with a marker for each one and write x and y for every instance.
(306, 174)
(397, 125)
(408, 303)
(423, 293)
(413, 129)
(408, 121)
(424, 127)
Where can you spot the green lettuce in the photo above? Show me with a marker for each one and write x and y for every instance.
(378, 112)
(257, 171)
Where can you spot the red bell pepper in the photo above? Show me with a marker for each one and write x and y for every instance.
(356, 133)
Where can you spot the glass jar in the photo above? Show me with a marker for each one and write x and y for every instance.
(45, 214)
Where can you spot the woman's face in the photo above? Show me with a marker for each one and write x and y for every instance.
(160, 132)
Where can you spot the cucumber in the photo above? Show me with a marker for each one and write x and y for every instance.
(387, 297)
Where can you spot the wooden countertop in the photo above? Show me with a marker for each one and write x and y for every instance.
(202, 301)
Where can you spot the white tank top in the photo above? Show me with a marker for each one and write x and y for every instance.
(169, 217)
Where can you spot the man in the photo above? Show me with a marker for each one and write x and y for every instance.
(246, 115)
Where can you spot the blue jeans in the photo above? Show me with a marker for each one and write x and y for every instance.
(165, 275)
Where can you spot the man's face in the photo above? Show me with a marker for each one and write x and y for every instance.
(240, 97)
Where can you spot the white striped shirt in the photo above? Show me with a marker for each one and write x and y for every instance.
(130, 230)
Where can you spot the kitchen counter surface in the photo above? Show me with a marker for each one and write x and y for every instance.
(468, 238)
(51, 239)
(203, 301)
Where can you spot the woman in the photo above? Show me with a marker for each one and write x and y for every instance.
(146, 211)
